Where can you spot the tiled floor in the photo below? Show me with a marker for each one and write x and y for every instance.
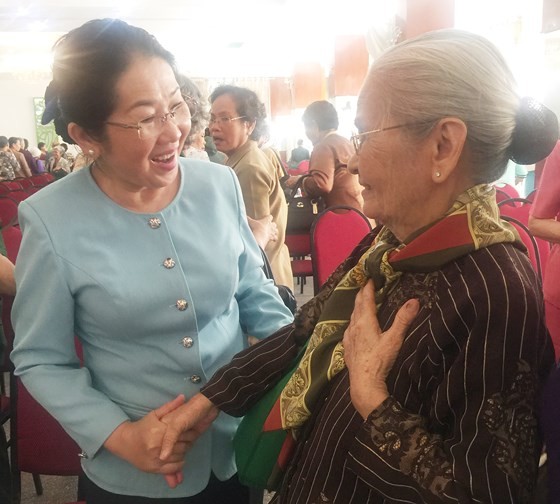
(60, 490)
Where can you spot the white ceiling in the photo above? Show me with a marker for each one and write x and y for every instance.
(209, 38)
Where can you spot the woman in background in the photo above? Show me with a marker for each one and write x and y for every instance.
(235, 115)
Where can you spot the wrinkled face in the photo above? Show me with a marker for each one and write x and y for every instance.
(229, 135)
(146, 91)
(56, 154)
(392, 168)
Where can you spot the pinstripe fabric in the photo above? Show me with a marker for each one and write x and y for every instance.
(460, 424)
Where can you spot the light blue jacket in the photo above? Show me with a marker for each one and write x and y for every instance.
(159, 302)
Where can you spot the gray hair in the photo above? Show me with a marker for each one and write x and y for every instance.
(451, 73)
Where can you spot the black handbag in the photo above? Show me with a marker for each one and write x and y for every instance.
(285, 292)
(302, 210)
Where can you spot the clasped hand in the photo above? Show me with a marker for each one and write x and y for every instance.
(369, 352)
(158, 442)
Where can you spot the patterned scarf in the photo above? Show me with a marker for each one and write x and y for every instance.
(472, 223)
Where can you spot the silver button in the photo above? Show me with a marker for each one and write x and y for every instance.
(196, 378)
(154, 222)
(169, 263)
(181, 304)
(83, 455)
(187, 342)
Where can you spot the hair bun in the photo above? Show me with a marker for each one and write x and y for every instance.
(52, 112)
(535, 133)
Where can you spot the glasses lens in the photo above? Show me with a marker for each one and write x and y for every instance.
(179, 115)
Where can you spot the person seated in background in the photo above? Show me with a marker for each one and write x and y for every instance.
(329, 176)
(8, 162)
(57, 164)
(298, 154)
(427, 348)
(43, 148)
(15, 145)
(29, 157)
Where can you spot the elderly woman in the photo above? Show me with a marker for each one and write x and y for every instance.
(427, 346)
(236, 115)
(156, 273)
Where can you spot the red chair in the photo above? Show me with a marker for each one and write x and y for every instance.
(518, 208)
(334, 234)
(8, 211)
(531, 196)
(39, 445)
(302, 168)
(42, 179)
(510, 190)
(24, 182)
(299, 246)
(18, 195)
(532, 245)
(4, 189)
(13, 185)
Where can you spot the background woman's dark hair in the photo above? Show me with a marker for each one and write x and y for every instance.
(87, 63)
(247, 104)
(323, 114)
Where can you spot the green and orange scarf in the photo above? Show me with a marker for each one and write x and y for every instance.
(472, 223)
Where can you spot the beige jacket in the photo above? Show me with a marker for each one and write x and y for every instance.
(263, 196)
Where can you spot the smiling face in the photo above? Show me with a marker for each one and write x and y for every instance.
(126, 162)
(228, 136)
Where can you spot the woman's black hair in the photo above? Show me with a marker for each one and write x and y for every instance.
(87, 64)
(323, 114)
(247, 104)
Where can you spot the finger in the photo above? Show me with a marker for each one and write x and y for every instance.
(404, 318)
(168, 407)
(365, 304)
(169, 439)
(171, 480)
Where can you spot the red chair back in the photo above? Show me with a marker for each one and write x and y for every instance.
(12, 185)
(41, 445)
(8, 211)
(518, 208)
(530, 242)
(25, 182)
(12, 240)
(510, 190)
(18, 195)
(334, 234)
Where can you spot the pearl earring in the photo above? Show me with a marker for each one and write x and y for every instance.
(438, 174)
(91, 152)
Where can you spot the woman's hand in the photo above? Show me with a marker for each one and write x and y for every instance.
(264, 230)
(292, 181)
(188, 421)
(140, 442)
(370, 353)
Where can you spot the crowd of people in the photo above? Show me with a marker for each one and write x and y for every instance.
(18, 159)
(414, 375)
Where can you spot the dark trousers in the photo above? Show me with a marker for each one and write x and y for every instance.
(217, 492)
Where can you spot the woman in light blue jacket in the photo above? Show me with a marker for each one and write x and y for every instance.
(149, 261)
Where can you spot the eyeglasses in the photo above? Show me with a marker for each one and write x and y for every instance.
(152, 126)
(358, 139)
(222, 121)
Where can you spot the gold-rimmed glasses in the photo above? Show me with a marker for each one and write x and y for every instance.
(152, 126)
(222, 121)
(358, 139)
